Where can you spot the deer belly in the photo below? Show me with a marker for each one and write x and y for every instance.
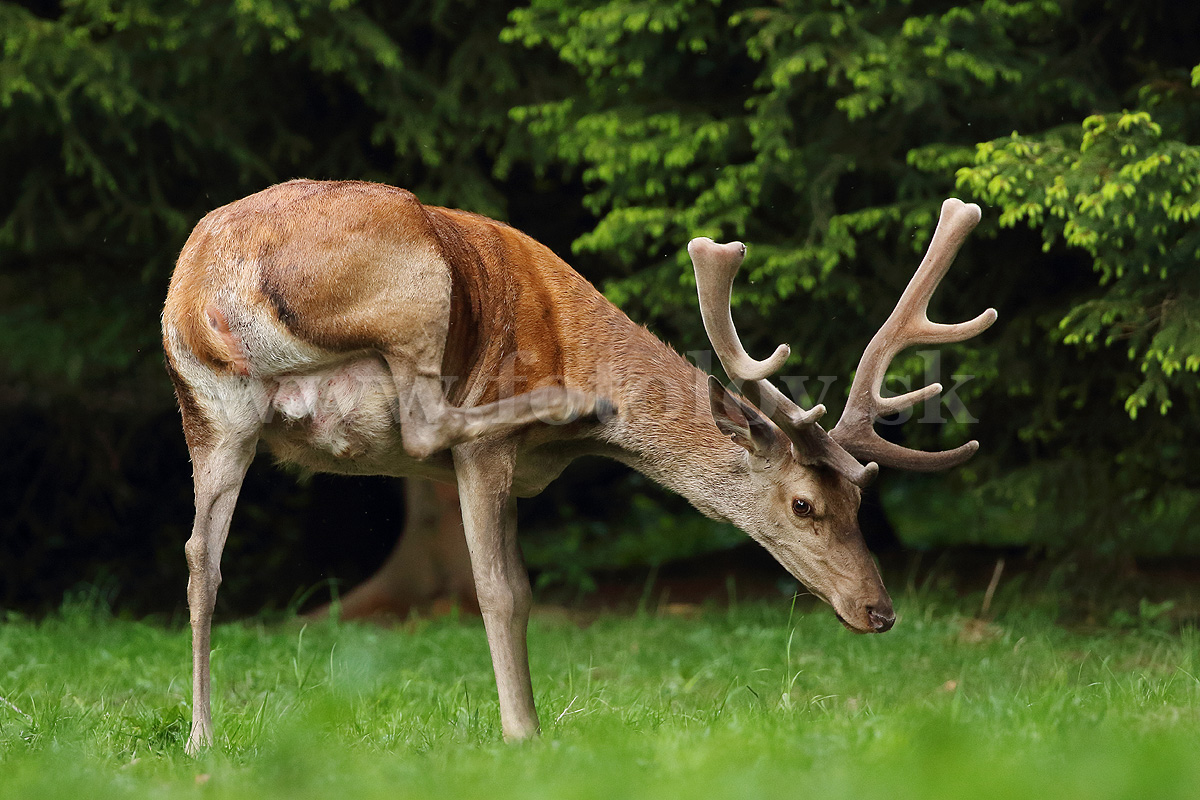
(341, 414)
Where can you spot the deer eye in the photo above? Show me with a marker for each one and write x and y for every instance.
(801, 508)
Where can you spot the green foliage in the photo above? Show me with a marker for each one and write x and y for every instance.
(825, 134)
(644, 706)
(782, 125)
(1130, 199)
(1121, 188)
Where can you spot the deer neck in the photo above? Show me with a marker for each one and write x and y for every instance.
(665, 429)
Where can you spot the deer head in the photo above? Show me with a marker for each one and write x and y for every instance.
(806, 482)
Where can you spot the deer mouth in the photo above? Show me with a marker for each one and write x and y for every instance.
(851, 627)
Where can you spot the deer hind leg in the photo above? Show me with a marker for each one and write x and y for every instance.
(218, 479)
(490, 522)
(428, 423)
(420, 307)
(221, 425)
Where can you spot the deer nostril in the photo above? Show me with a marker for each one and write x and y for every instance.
(881, 621)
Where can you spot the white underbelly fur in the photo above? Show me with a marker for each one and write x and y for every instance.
(338, 414)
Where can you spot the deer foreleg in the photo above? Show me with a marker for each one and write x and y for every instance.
(501, 581)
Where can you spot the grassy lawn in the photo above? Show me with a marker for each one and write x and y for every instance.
(752, 701)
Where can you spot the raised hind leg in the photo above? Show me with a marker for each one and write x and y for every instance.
(428, 423)
(416, 331)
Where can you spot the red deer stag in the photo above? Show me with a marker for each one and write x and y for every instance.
(354, 330)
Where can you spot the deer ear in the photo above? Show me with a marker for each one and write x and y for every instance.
(745, 424)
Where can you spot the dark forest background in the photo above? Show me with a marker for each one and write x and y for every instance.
(824, 133)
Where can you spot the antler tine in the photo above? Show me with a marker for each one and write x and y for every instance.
(908, 325)
(716, 265)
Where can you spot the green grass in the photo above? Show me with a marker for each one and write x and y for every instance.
(751, 702)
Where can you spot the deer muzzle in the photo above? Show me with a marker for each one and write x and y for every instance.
(873, 616)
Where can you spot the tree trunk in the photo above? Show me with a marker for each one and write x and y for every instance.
(428, 570)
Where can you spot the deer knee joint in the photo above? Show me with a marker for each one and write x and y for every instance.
(506, 601)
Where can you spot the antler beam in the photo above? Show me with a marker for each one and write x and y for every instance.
(716, 266)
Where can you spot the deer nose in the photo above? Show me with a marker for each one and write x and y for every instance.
(881, 620)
